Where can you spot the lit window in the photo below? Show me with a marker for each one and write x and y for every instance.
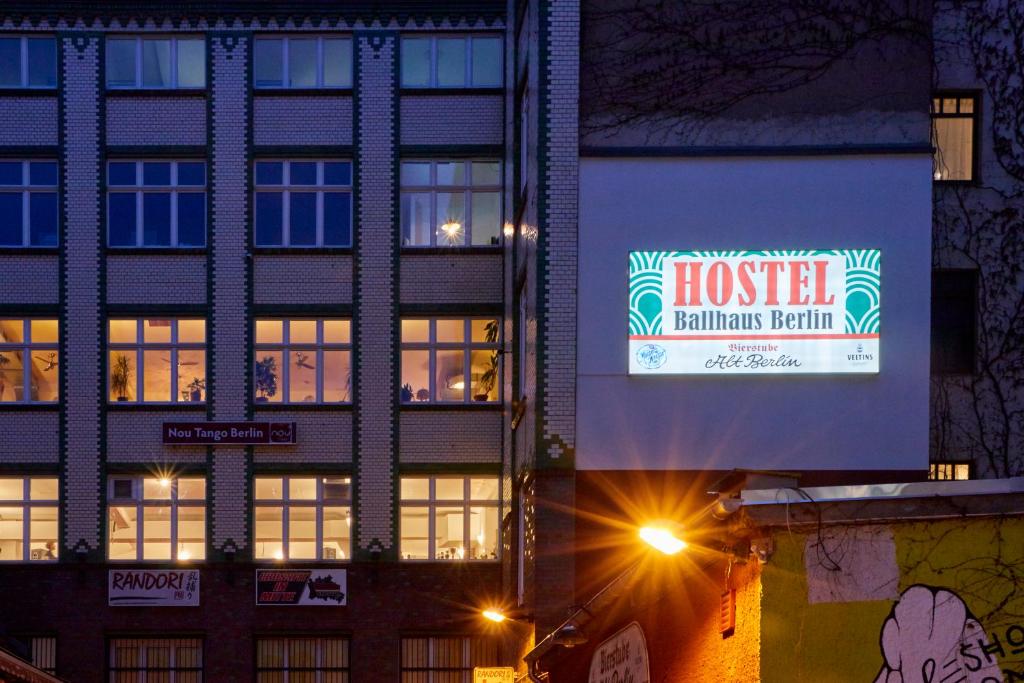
(302, 62)
(167, 660)
(447, 660)
(28, 62)
(950, 471)
(298, 660)
(28, 518)
(28, 204)
(156, 203)
(156, 518)
(29, 360)
(451, 203)
(954, 121)
(437, 352)
(452, 62)
(156, 63)
(954, 321)
(449, 518)
(303, 203)
(302, 518)
(157, 360)
(303, 361)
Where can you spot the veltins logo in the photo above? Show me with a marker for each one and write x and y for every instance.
(651, 356)
(859, 357)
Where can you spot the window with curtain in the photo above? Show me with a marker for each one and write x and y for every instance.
(152, 660)
(158, 62)
(446, 659)
(954, 124)
(302, 660)
(302, 62)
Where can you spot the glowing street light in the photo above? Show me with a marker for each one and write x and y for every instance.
(662, 539)
(495, 615)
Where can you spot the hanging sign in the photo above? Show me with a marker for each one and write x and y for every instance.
(153, 588)
(229, 433)
(622, 658)
(754, 312)
(314, 587)
(494, 674)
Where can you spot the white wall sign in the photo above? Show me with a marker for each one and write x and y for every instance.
(315, 587)
(754, 312)
(153, 588)
(622, 658)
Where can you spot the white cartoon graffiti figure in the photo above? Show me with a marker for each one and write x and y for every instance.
(931, 636)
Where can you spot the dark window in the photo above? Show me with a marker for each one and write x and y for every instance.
(297, 660)
(445, 659)
(954, 321)
(169, 660)
(954, 128)
(28, 204)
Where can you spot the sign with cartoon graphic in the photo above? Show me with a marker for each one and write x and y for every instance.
(754, 312)
(303, 587)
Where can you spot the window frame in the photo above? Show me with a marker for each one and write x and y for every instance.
(141, 644)
(173, 347)
(27, 504)
(23, 66)
(935, 466)
(27, 189)
(27, 348)
(174, 40)
(286, 347)
(939, 97)
(320, 189)
(429, 673)
(467, 189)
(286, 502)
(173, 190)
(173, 504)
(284, 672)
(467, 346)
(286, 39)
(467, 84)
(467, 503)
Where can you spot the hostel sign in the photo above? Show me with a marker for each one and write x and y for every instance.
(754, 312)
(229, 433)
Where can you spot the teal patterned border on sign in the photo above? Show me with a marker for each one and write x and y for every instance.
(863, 285)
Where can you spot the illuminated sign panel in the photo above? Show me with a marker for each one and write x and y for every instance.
(754, 312)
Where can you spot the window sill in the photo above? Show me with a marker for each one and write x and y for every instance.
(130, 406)
(31, 407)
(156, 251)
(156, 92)
(302, 92)
(957, 183)
(453, 563)
(301, 251)
(49, 91)
(29, 251)
(453, 251)
(481, 406)
(302, 407)
(483, 90)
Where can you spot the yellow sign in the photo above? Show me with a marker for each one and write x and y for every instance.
(494, 674)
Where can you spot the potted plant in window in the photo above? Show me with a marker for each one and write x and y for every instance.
(194, 390)
(490, 375)
(407, 393)
(266, 379)
(120, 376)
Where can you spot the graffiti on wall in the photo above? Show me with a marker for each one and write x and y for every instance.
(931, 636)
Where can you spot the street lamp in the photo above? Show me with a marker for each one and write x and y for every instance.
(662, 538)
(498, 615)
(495, 615)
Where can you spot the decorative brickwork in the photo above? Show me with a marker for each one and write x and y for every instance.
(30, 436)
(452, 120)
(30, 279)
(156, 279)
(302, 279)
(302, 120)
(469, 278)
(324, 437)
(156, 120)
(450, 437)
(28, 120)
(559, 139)
(135, 437)
(81, 126)
(376, 247)
(229, 385)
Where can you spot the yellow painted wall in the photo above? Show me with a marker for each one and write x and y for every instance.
(980, 560)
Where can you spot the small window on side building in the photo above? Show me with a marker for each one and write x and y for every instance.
(950, 470)
(954, 321)
(954, 126)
